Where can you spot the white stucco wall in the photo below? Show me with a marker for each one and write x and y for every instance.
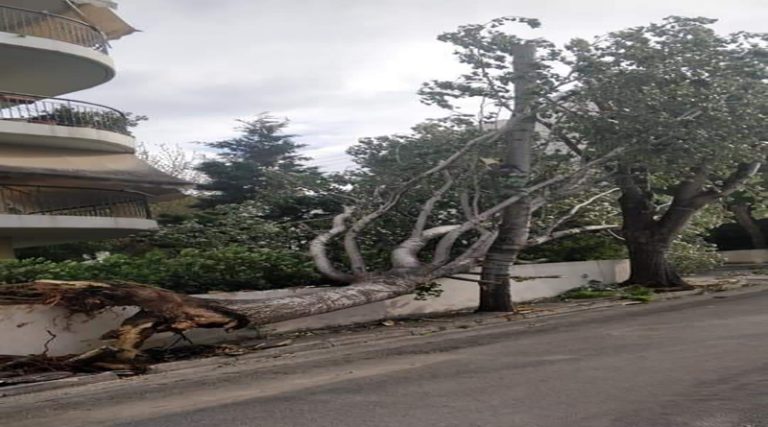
(747, 256)
(24, 328)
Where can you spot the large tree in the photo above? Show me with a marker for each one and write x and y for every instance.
(508, 78)
(263, 165)
(690, 104)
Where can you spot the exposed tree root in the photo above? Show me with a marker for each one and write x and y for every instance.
(160, 311)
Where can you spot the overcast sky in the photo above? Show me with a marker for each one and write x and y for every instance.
(339, 69)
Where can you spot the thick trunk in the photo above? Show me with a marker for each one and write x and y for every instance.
(495, 287)
(166, 311)
(743, 215)
(495, 292)
(648, 263)
(648, 239)
(260, 312)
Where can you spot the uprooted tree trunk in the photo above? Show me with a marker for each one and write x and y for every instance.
(160, 310)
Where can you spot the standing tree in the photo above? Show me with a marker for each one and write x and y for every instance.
(692, 106)
(507, 79)
(263, 165)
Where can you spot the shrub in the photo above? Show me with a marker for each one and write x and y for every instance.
(581, 247)
(694, 256)
(229, 268)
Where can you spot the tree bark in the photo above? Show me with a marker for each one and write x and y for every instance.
(262, 312)
(648, 239)
(495, 291)
(743, 215)
(495, 286)
(648, 262)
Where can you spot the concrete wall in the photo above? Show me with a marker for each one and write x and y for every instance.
(56, 136)
(747, 256)
(24, 329)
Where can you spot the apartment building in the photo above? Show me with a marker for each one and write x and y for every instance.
(68, 170)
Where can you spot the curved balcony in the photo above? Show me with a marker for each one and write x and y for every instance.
(46, 25)
(50, 54)
(18, 199)
(32, 215)
(62, 123)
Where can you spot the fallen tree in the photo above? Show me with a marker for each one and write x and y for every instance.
(434, 248)
(165, 311)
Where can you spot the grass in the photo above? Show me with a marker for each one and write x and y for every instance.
(632, 293)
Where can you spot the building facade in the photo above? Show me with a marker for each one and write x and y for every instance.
(68, 170)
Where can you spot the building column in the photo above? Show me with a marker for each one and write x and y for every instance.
(6, 248)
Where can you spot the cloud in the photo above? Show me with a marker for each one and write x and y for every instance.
(339, 69)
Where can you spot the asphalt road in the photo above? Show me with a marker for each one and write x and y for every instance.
(701, 362)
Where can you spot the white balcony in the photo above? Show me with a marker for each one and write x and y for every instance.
(50, 55)
(30, 120)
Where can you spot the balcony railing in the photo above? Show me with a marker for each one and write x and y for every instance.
(49, 200)
(61, 112)
(43, 24)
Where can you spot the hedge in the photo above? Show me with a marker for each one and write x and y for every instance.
(190, 271)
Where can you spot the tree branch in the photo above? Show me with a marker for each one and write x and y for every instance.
(429, 205)
(574, 210)
(357, 262)
(570, 232)
(318, 248)
(443, 249)
(570, 143)
(468, 258)
(683, 208)
(405, 255)
(733, 182)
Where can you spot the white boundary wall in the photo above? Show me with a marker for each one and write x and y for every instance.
(24, 329)
(746, 256)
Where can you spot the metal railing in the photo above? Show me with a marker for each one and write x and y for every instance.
(61, 112)
(47, 25)
(72, 201)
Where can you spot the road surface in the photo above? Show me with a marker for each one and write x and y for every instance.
(698, 362)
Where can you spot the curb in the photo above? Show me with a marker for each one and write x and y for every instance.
(16, 390)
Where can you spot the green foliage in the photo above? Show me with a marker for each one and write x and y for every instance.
(488, 50)
(191, 271)
(224, 225)
(677, 81)
(262, 165)
(386, 161)
(632, 293)
(690, 257)
(690, 253)
(428, 290)
(637, 293)
(580, 247)
(588, 293)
